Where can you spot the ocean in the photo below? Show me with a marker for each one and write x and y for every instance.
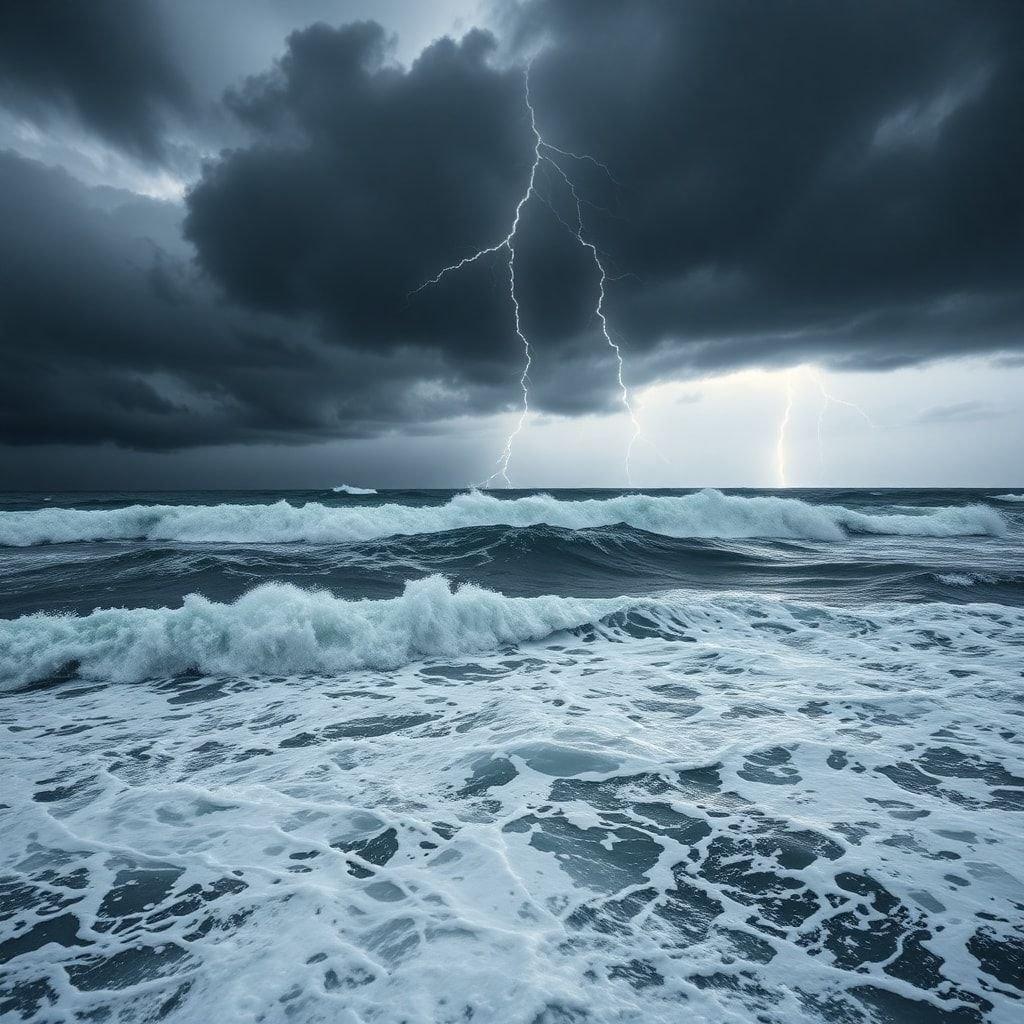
(550, 758)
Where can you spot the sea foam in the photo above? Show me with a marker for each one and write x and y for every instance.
(705, 514)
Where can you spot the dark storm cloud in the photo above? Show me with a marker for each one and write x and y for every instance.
(107, 336)
(829, 181)
(104, 62)
(364, 180)
(836, 183)
(799, 181)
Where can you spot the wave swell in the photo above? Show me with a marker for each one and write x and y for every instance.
(706, 514)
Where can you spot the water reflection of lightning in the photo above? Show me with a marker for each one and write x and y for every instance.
(542, 152)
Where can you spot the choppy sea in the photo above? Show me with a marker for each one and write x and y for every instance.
(550, 758)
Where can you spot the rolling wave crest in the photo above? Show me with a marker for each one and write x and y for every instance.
(281, 629)
(706, 514)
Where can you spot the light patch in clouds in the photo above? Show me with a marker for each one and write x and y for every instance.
(88, 159)
(921, 123)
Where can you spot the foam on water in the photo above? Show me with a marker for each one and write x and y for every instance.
(1010, 497)
(715, 810)
(707, 514)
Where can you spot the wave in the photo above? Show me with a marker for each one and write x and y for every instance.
(1010, 497)
(349, 489)
(962, 579)
(704, 515)
(280, 628)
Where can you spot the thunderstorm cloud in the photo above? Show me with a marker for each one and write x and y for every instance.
(782, 183)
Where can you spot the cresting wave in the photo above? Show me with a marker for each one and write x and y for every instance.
(280, 629)
(1010, 497)
(706, 514)
(349, 489)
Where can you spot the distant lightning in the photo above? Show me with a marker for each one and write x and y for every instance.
(780, 445)
(827, 399)
(542, 151)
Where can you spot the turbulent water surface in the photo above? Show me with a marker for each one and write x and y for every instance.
(542, 758)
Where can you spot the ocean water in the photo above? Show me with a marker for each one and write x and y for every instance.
(595, 756)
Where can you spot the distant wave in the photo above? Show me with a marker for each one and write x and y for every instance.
(349, 489)
(282, 629)
(1010, 497)
(707, 514)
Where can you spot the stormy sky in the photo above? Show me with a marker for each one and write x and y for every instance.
(215, 215)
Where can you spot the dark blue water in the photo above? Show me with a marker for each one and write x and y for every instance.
(606, 561)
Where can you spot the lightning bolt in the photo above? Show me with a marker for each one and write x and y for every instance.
(507, 243)
(780, 445)
(602, 277)
(830, 399)
(542, 153)
(827, 399)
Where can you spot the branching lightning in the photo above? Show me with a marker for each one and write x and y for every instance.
(508, 243)
(543, 153)
(602, 277)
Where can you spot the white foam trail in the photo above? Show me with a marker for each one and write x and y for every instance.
(280, 628)
(1010, 497)
(705, 514)
(349, 489)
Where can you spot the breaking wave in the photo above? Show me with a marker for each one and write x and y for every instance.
(706, 514)
(281, 628)
(1010, 497)
(349, 489)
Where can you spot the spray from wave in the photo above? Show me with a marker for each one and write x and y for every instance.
(706, 514)
(1010, 497)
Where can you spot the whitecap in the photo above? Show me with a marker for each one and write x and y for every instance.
(349, 489)
(706, 514)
